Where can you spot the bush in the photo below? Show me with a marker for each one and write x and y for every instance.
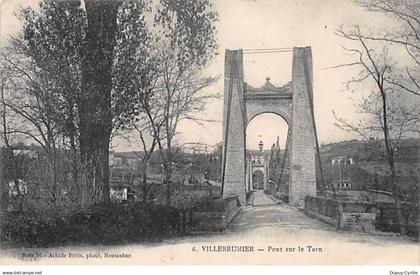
(101, 224)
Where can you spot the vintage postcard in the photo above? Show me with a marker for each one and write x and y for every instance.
(201, 132)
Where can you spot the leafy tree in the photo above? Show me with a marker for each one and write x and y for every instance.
(29, 112)
(101, 68)
(71, 53)
(188, 43)
(47, 62)
(166, 84)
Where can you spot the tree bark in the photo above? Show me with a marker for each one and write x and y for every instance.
(95, 117)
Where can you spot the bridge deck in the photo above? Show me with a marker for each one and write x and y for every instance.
(266, 212)
(261, 199)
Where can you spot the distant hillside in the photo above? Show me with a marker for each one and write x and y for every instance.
(367, 151)
(370, 168)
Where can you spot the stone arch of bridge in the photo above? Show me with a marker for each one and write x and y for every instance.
(293, 102)
(274, 125)
(255, 109)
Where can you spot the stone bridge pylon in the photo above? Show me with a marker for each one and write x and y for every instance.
(293, 102)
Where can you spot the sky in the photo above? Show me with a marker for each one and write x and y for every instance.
(250, 24)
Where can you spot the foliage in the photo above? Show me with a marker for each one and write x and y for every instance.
(99, 224)
(79, 73)
(189, 31)
(51, 58)
(163, 78)
(370, 170)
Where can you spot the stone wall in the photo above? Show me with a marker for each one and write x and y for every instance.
(186, 191)
(214, 215)
(323, 206)
(363, 222)
(345, 215)
(387, 219)
(362, 216)
(356, 216)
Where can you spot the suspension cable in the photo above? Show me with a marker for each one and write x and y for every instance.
(285, 157)
(268, 49)
(262, 52)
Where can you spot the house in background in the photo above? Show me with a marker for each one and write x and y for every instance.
(123, 175)
(341, 172)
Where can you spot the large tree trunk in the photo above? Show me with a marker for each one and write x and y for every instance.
(95, 102)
